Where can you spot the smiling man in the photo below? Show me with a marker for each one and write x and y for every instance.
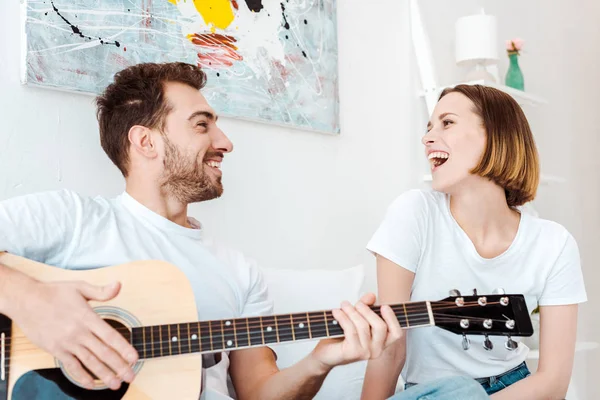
(159, 130)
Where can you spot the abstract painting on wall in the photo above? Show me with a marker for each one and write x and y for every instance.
(273, 61)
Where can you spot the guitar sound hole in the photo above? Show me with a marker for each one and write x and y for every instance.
(122, 329)
(52, 383)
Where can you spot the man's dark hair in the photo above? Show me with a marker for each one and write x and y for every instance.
(137, 97)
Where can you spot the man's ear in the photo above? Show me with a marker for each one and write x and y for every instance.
(143, 140)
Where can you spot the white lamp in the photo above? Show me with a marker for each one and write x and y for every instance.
(476, 45)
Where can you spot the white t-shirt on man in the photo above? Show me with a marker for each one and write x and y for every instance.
(65, 230)
(420, 234)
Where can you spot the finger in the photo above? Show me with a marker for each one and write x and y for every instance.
(113, 339)
(393, 325)
(97, 367)
(379, 328)
(73, 366)
(368, 299)
(345, 323)
(362, 326)
(110, 358)
(99, 293)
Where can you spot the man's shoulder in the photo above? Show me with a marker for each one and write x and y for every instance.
(56, 202)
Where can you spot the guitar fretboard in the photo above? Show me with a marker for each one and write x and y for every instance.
(213, 336)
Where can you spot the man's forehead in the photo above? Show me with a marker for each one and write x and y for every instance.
(185, 98)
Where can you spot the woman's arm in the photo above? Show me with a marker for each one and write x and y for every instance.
(558, 331)
(394, 286)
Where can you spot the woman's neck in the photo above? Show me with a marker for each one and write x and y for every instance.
(486, 218)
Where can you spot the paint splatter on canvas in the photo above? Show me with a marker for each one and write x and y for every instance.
(266, 60)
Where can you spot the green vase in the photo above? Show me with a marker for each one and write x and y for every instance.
(514, 76)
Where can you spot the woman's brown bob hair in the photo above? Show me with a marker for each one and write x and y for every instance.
(510, 158)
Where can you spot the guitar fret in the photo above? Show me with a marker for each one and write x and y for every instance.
(235, 334)
(309, 328)
(222, 336)
(256, 338)
(284, 329)
(242, 335)
(205, 335)
(228, 334)
(185, 339)
(405, 315)
(144, 342)
(300, 326)
(196, 343)
(292, 326)
(276, 328)
(262, 332)
(179, 338)
(152, 341)
(248, 330)
(317, 324)
(269, 333)
(161, 341)
(326, 324)
(169, 339)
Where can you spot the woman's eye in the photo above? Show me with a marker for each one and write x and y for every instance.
(447, 122)
(202, 124)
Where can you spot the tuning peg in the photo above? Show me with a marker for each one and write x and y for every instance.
(454, 293)
(474, 292)
(487, 323)
(499, 291)
(466, 343)
(482, 301)
(487, 343)
(511, 344)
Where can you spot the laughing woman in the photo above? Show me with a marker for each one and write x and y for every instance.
(468, 232)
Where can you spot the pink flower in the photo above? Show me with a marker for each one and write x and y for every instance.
(514, 44)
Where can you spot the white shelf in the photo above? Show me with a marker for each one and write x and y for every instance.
(544, 179)
(523, 98)
(579, 346)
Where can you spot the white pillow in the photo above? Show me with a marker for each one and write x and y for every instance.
(311, 290)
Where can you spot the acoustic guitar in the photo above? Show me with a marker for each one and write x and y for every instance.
(156, 312)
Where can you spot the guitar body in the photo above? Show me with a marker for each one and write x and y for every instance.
(152, 293)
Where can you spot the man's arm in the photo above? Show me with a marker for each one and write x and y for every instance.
(56, 316)
(255, 374)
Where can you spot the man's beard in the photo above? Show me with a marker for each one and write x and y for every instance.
(186, 180)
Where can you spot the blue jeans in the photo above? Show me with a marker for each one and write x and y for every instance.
(451, 388)
(497, 383)
(491, 384)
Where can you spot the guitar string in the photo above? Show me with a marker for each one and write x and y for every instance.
(256, 324)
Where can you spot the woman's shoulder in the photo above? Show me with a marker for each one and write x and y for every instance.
(549, 232)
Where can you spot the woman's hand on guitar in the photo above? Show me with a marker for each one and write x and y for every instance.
(57, 317)
(365, 334)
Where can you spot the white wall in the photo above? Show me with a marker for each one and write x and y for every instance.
(295, 199)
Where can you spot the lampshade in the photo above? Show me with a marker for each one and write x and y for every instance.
(476, 39)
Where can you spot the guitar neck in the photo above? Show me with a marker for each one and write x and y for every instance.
(231, 334)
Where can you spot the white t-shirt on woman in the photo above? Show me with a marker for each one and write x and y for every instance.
(420, 234)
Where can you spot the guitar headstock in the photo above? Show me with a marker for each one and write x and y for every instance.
(490, 315)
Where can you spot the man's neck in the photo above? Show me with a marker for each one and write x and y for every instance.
(159, 202)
